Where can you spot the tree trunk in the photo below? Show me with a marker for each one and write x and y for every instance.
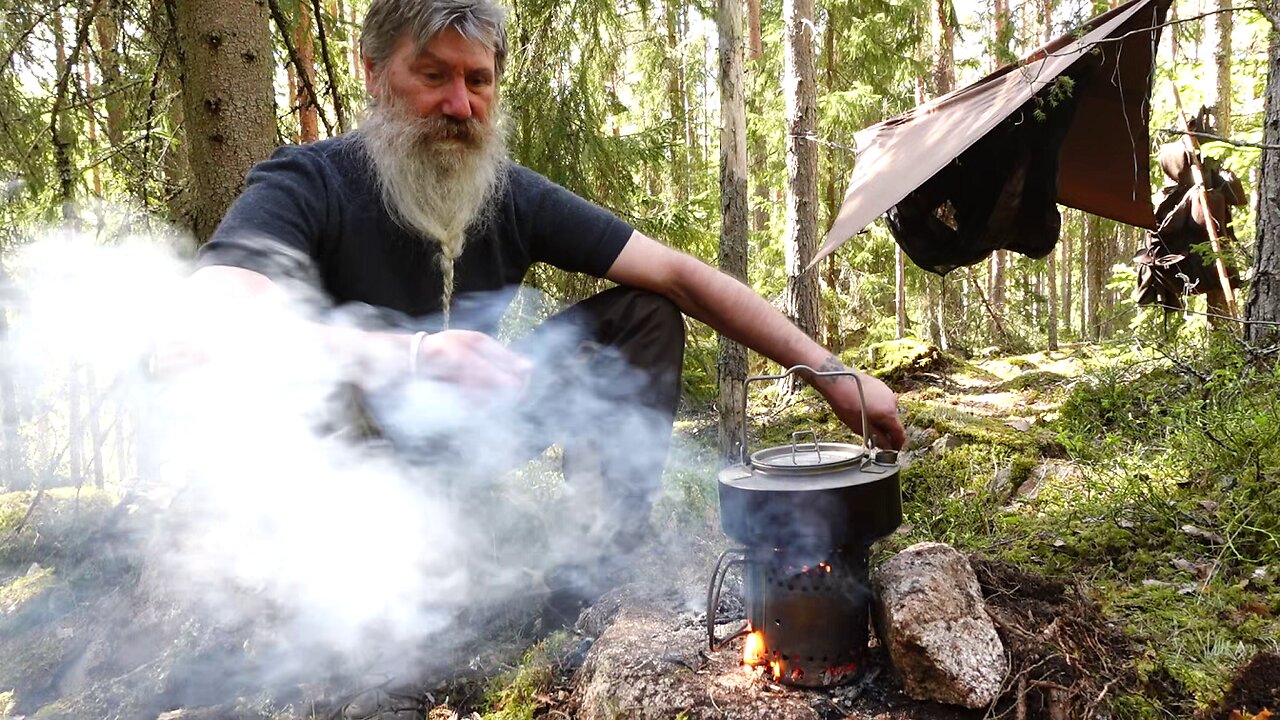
(1264, 300)
(681, 140)
(801, 239)
(305, 75)
(1223, 25)
(731, 360)
(995, 292)
(13, 464)
(1000, 29)
(95, 426)
(357, 63)
(944, 39)
(91, 129)
(753, 29)
(122, 444)
(1094, 266)
(226, 60)
(900, 289)
(1067, 259)
(75, 430)
(107, 28)
(63, 137)
(1051, 263)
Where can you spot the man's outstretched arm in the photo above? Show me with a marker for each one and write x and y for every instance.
(736, 311)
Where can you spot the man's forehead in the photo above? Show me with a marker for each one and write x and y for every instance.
(448, 46)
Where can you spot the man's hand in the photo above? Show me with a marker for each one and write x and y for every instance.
(473, 361)
(841, 392)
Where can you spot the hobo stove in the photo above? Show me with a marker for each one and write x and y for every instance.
(806, 514)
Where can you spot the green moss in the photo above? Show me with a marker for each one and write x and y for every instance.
(975, 428)
(63, 518)
(894, 360)
(22, 589)
(514, 695)
(1034, 380)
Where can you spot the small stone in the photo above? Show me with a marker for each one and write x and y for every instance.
(945, 443)
(920, 437)
(1203, 535)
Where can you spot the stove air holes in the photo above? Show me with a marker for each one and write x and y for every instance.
(777, 621)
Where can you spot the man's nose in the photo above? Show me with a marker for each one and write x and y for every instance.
(457, 103)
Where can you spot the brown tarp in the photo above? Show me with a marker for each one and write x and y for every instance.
(1103, 165)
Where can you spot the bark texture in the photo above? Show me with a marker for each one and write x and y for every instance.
(944, 64)
(731, 360)
(226, 56)
(1264, 300)
(107, 28)
(1222, 26)
(800, 88)
(308, 119)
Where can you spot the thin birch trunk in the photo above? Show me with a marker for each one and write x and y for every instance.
(731, 360)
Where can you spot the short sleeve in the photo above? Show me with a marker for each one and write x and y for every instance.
(572, 233)
(275, 226)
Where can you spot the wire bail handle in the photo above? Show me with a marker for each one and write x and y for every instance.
(867, 441)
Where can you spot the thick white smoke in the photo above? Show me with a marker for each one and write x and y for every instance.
(262, 505)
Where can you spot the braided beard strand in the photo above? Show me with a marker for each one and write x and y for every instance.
(438, 177)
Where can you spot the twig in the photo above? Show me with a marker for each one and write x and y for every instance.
(1216, 316)
(1219, 138)
(86, 102)
(1022, 698)
(990, 311)
(328, 66)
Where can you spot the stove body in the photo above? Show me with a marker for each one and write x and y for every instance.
(806, 516)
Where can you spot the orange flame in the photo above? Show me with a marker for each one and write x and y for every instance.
(753, 649)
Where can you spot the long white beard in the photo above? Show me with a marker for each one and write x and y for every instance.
(438, 177)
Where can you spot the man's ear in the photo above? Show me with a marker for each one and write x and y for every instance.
(370, 72)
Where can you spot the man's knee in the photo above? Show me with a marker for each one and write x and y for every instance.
(644, 316)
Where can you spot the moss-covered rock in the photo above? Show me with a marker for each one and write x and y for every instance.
(896, 360)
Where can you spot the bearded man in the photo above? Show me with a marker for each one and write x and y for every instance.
(421, 209)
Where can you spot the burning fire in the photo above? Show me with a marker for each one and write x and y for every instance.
(753, 652)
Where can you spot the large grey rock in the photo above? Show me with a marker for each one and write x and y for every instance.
(932, 619)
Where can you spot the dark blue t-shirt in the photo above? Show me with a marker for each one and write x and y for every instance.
(313, 213)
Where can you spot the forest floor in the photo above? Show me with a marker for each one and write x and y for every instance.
(1119, 502)
(1120, 505)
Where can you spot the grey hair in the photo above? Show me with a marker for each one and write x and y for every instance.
(481, 21)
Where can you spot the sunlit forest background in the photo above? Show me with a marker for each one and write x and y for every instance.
(120, 120)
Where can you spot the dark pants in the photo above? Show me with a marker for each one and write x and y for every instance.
(607, 390)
